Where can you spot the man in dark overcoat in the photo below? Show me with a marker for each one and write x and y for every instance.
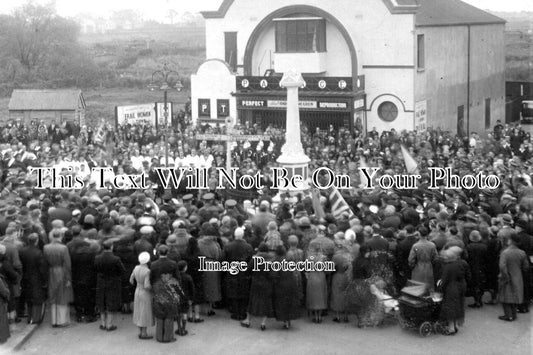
(109, 270)
(238, 284)
(34, 279)
(82, 257)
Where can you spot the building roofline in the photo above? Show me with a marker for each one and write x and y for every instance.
(220, 13)
(392, 5)
(503, 22)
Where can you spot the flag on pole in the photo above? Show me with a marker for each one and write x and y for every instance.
(410, 163)
(338, 204)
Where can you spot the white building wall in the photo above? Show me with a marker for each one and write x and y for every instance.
(390, 85)
(380, 39)
(213, 81)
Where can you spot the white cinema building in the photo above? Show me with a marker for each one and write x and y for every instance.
(402, 64)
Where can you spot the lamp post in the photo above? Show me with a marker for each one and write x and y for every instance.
(163, 80)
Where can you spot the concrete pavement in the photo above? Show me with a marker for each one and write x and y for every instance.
(482, 334)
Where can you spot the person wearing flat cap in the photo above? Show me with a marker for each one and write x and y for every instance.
(142, 304)
(210, 209)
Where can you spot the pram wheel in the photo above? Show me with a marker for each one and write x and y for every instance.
(425, 329)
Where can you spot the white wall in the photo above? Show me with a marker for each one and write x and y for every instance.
(213, 81)
(380, 39)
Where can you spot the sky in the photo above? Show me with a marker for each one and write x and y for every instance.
(154, 9)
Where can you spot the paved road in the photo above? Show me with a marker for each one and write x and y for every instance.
(482, 334)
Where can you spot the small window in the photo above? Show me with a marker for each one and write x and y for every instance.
(487, 113)
(387, 111)
(420, 58)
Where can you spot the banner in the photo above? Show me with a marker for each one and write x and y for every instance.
(226, 137)
(410, 163)
(421, 116)
(144, 114)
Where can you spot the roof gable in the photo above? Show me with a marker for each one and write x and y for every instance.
(46, 100)
(452, 12)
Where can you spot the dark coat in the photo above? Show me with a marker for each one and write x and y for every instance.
(4, 298)
(193, 266)
(109, 271)
(261, 291)
(238, 285)
(35, 275)
(455, 276)
(378, 243)
(513, 262)
(402, 255)
(286, 296)
(163, 266)
(82, 257)
(477, 255)
(494, 247)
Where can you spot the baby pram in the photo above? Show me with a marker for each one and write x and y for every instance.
(419, 310)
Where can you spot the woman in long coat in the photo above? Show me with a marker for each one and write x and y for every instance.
(455, 275)
(317, 289)
(359, 298)
(193, 266)
(339, 282)
(109, 270)
(286, 293)
(494, 247)
(513, 262)
(59, 281)
(260, 303)
(209, 248)
(142, 304)
(422, 257)
(477, 254)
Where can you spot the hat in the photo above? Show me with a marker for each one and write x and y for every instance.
(171, 240)
(272, 226)
(146, 230)
(89, 219)
(11, 211)
(76, 212)
(144, 258)
(231, 203)
(182, 212)
(507, 219)
(209, 196)
(146, 221)
(474, 236)
(471, 216)
(305, 222)
(187, 197)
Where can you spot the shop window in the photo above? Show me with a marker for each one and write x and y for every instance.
(387, 111)
(420, 57)
(300, 35)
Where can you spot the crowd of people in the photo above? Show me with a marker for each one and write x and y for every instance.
(137, 251)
